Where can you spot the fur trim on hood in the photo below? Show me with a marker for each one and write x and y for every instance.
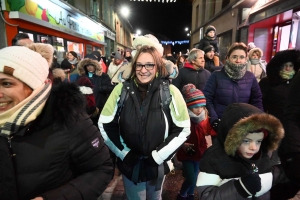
(281, 57)
(65, 105)
(239, 119)
(255, 49)
(84, 63)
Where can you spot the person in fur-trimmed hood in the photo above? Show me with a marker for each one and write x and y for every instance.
(280, 72)
(101, 81)
(237, 166)
(49, 148)
(255, 64)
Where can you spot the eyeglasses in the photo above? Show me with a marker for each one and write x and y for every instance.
(237, 57)
(147, 66)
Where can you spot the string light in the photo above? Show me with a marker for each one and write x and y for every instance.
(162, 1)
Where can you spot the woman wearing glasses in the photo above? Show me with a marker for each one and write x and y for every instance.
(142, 132)
(232, 84)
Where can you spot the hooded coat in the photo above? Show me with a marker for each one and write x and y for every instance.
(59, 155)
(259, 69)
(220, 166)
(101, 81)
(274, 88)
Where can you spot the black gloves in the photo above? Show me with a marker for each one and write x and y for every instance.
(215, 124)
(150, 162)
(131, 158)
(251, 182)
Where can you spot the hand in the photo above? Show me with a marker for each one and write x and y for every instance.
(215, 124)
(186, 146)
(150, 162)
(38, 198)
(251, 182)
(131, 158)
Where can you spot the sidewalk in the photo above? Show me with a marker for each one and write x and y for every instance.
(115, 189)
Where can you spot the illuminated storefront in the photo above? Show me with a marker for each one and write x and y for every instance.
(66, 28)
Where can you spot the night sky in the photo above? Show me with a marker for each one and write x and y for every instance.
(168, 19)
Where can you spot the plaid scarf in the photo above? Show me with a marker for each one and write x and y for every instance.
(235, 71)
(26, 111)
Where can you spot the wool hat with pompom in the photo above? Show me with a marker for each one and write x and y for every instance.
(30, 64)
(193, 97)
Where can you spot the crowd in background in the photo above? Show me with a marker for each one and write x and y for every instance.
(139, 111)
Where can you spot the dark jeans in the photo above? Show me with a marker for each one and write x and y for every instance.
(190, 172)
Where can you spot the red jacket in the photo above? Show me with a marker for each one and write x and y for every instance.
(197, 137)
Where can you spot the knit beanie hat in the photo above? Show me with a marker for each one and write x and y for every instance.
(210, 28)
(74, 54)
(208, 48)
(193, 97)
(28, 64)
(118, 56)
(85, 87)
(149, 40)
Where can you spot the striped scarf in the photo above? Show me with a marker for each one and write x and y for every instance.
(26, 111)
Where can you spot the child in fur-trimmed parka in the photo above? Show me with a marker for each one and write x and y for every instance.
(237, 166)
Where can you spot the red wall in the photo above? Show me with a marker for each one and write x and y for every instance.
(269, 23)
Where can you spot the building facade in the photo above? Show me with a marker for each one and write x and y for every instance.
(271, 24)
(80, 26)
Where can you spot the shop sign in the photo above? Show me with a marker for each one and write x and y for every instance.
(50, 13)
(110, 35)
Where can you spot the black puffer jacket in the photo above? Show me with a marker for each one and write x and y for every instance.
(220, 166)
(274, 88)
(60, 155)
(188, 74)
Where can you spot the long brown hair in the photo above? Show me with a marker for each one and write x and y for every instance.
(158, 61)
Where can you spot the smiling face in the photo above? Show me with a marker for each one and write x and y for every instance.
(70, 56)
(250, 145)
(210, 54)
(12, 92)
(211, 34)
(145, 75)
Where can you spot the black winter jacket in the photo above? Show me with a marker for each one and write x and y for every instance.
(188, 74)
(60, 155)
(221, 167)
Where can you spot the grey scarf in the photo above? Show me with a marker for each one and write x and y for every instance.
(197, 118)
(235, 71)
(254, 61)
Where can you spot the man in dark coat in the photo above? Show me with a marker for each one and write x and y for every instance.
(193, 71)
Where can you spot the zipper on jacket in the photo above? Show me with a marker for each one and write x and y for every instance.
(9, 142)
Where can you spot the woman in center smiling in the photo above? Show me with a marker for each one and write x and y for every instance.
(143, 131)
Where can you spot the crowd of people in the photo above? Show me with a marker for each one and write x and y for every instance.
(65, 126)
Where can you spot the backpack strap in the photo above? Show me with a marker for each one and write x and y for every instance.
(123, 97)
(165, 94)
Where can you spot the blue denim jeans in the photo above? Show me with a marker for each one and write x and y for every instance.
(190, 171)
(142, 191)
